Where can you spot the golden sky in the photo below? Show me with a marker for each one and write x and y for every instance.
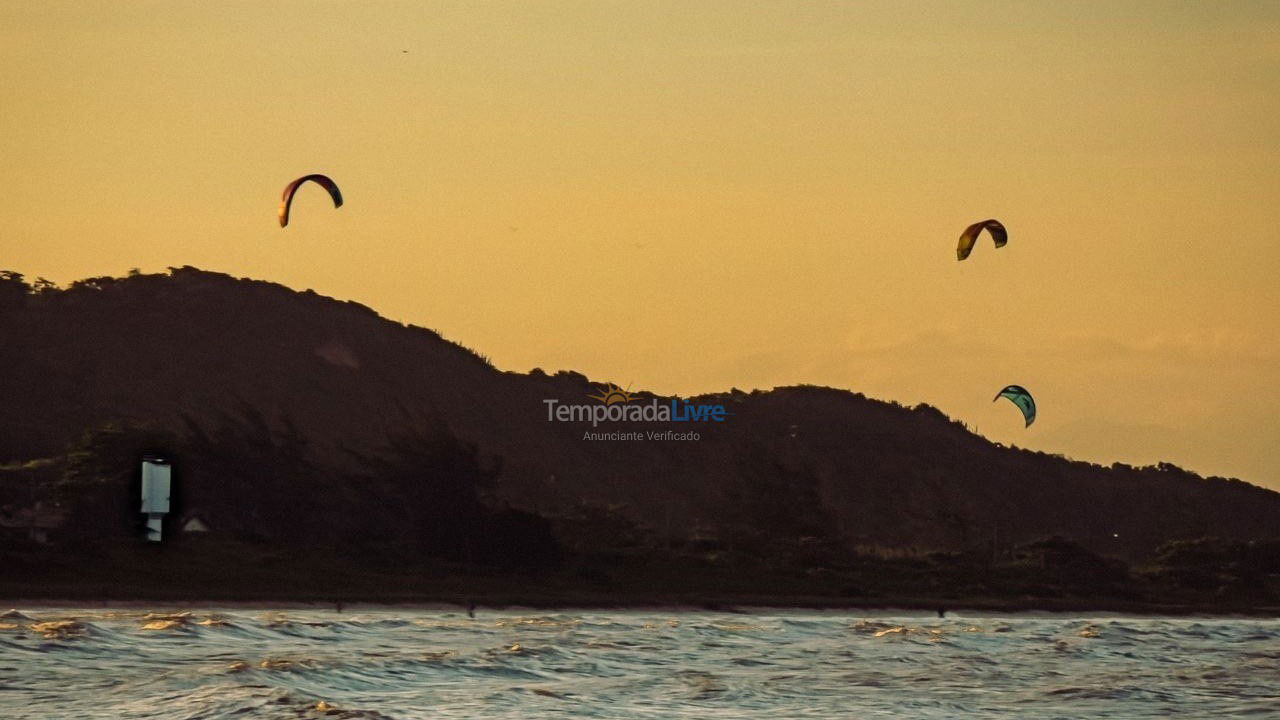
(691, 196)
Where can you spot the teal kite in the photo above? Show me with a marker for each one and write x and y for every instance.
(1019, 396)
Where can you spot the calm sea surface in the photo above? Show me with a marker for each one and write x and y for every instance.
(391, 663)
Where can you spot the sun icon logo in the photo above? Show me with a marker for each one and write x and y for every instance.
(612, 394)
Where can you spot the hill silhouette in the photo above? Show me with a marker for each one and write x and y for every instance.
(298, 416)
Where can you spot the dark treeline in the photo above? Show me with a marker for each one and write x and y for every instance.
(425, 496)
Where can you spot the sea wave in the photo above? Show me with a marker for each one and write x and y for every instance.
(402, 664)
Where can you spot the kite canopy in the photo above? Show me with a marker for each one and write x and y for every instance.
(1019, 396)
(970, 236)
(322, 180)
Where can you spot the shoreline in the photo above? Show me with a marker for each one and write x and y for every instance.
(728, 605)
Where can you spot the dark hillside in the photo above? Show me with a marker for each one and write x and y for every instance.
(298, 416)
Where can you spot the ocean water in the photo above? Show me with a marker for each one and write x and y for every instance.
(394, 663)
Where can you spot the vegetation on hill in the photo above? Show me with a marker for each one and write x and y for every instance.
(328, 452)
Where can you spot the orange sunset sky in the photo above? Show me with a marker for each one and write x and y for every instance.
(692, 196)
